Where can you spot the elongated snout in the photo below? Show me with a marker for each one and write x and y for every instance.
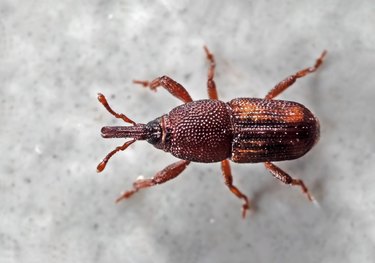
(137, 132)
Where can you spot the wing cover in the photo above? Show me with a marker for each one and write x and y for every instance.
(271, 130)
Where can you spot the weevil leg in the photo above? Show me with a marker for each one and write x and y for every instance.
(211, 86)
(174, 88)
(168, 173)
(103, 101)
(287, 179)
(104, 162)
(287, 82)
(225, 168)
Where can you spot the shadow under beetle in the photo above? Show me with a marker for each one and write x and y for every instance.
(243, 130)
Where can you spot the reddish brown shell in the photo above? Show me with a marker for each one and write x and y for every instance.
(200, 131)
(271, 130)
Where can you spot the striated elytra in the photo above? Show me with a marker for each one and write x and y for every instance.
(243, 130)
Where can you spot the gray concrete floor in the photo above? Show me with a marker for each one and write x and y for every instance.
(56, 55)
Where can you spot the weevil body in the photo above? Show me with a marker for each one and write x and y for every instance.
(243, 130)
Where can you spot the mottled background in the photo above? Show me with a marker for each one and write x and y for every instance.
(56, 55)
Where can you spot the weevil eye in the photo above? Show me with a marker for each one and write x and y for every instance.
(159, 133)
(154, 132)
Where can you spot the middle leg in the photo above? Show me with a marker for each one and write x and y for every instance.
(225, 167)
(286, 83)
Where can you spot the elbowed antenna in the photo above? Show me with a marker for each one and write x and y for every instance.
(103, 100)
(104, 162)
(152, 132)
(137, 132)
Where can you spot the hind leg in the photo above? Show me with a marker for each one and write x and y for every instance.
(287, 179)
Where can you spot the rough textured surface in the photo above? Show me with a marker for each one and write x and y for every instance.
(200, 131)
(56, 55)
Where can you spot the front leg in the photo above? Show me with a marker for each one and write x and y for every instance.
(168, 173)
(211, 86)
(174, 88)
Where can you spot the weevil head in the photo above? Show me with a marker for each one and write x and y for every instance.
(159, 133)
(154, 132)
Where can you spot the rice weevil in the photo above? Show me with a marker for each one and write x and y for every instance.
(243, 130)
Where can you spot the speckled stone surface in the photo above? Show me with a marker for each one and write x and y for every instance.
(56, 55)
